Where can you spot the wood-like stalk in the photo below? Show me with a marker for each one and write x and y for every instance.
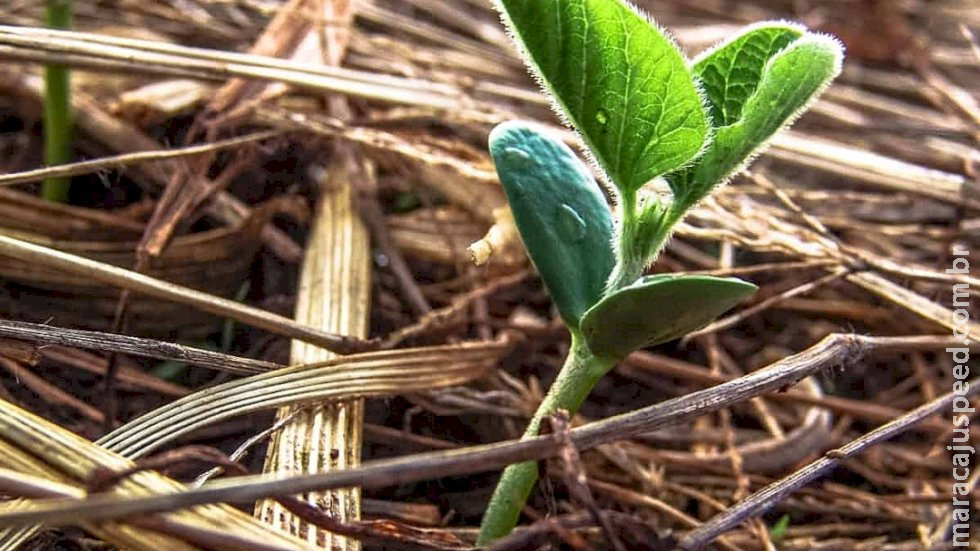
(580, 373)
(838, 351)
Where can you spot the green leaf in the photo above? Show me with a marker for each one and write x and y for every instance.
(790, 79)
(618, 79)
(778, 530)
(560, 211)
(730, 72)
(657, 309)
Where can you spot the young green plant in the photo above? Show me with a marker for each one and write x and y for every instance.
(647, 116)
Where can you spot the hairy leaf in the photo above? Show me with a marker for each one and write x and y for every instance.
(790, 79)
(618, 79)
(657, 309)
(562, 216)
(730, 73)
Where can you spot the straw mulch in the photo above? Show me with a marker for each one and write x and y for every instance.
(335, 178)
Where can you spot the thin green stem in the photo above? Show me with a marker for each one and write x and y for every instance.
(642, 235)
(630, 262)
(581, 372)
(57, 109)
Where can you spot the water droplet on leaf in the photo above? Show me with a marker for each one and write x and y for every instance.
(571, 223)
(517, 156)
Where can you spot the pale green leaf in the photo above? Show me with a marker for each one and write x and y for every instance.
(562, 216)
(618, 79)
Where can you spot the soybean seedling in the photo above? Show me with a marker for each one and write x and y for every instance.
(647, 116)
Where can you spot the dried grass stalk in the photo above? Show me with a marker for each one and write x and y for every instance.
(121, 136)
(112, 275)
(382, 373)
(334, 295)
(36, 448)
(214, 261)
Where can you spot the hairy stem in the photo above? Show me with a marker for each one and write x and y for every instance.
(57, 109)
(581, 372)
(643, 233)
(630, 262)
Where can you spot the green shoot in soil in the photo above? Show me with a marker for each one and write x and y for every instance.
(647, 115)
(57, 108)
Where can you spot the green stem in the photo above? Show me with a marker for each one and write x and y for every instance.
(57, 109)
(642, 235)
(580, 373)
(630, 262)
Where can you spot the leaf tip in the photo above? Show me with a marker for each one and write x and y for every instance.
(830, 45)
(507, 130)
